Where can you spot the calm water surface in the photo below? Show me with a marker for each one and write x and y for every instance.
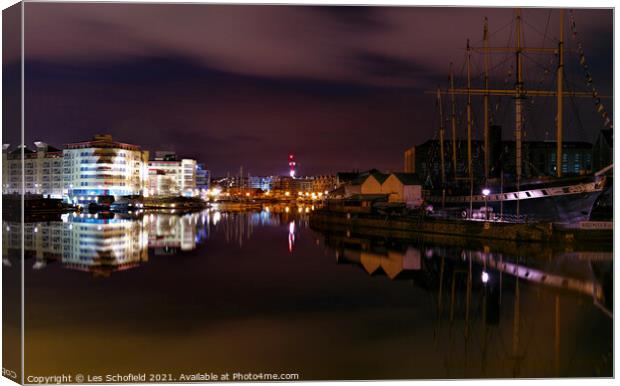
(263, 292)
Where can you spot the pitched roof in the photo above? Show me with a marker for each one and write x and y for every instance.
(381, 177)
(360, 178)
(408, 178)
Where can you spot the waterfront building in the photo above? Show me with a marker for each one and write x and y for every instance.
(538, 159)
(350, 183)
(427, 160)
(6, 180)
(203, 178)
(263, 183)
(303, 184)
(161, 183)
(85, 172)
(324, 183)
(103, 167)
(403, 187)
(42, 168)
(169, 176)
(282, 184)
(396, 187)
(541, 158)
(346, 177)
(294, 186)
(372, 183)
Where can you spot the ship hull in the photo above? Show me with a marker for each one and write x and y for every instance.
(573, 208)
(549, 201)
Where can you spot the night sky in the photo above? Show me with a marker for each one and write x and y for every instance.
(231, 85)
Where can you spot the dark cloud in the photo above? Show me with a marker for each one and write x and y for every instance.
(342, 87)
(388, 66)
(366, 19)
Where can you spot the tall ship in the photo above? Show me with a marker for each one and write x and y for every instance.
(498, 180)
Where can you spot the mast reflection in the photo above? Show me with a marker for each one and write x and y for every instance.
(494, 311)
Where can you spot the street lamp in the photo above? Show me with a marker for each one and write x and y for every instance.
(485, 277)
(485, 193)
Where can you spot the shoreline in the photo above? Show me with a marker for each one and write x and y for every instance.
(402, 227)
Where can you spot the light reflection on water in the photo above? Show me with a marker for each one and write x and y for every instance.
(102, 243)
(262, 291)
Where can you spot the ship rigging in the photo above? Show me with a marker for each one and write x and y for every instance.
(560, 191)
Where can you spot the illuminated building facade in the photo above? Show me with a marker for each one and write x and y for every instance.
(103, 167)
(168, 176)
(203, 178)
(43, 173)
(324, 183)
(263, 183)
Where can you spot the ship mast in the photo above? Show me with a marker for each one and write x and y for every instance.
(470, 171)
(518, 92)
(453, 120)
(441, 139)
(560, 97)
(518, 106)
(486, 98)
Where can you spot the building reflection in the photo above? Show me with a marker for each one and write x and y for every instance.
(105, 243)
(392, 263)
(89, 243)
(168, 233)
(496, 313)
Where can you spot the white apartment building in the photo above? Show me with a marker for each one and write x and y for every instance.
(42, 170)
(85, 171)
(103, 167)
(168, 176)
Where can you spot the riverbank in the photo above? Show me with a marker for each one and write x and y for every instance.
(371, 224)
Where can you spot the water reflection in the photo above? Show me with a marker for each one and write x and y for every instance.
(486, 318)
(220, 287)
(105, 242)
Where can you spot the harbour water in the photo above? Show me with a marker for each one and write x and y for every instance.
(262, 292)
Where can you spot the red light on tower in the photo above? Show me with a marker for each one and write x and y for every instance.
(291, 164)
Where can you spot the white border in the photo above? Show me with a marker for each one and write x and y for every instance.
(455, 3)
